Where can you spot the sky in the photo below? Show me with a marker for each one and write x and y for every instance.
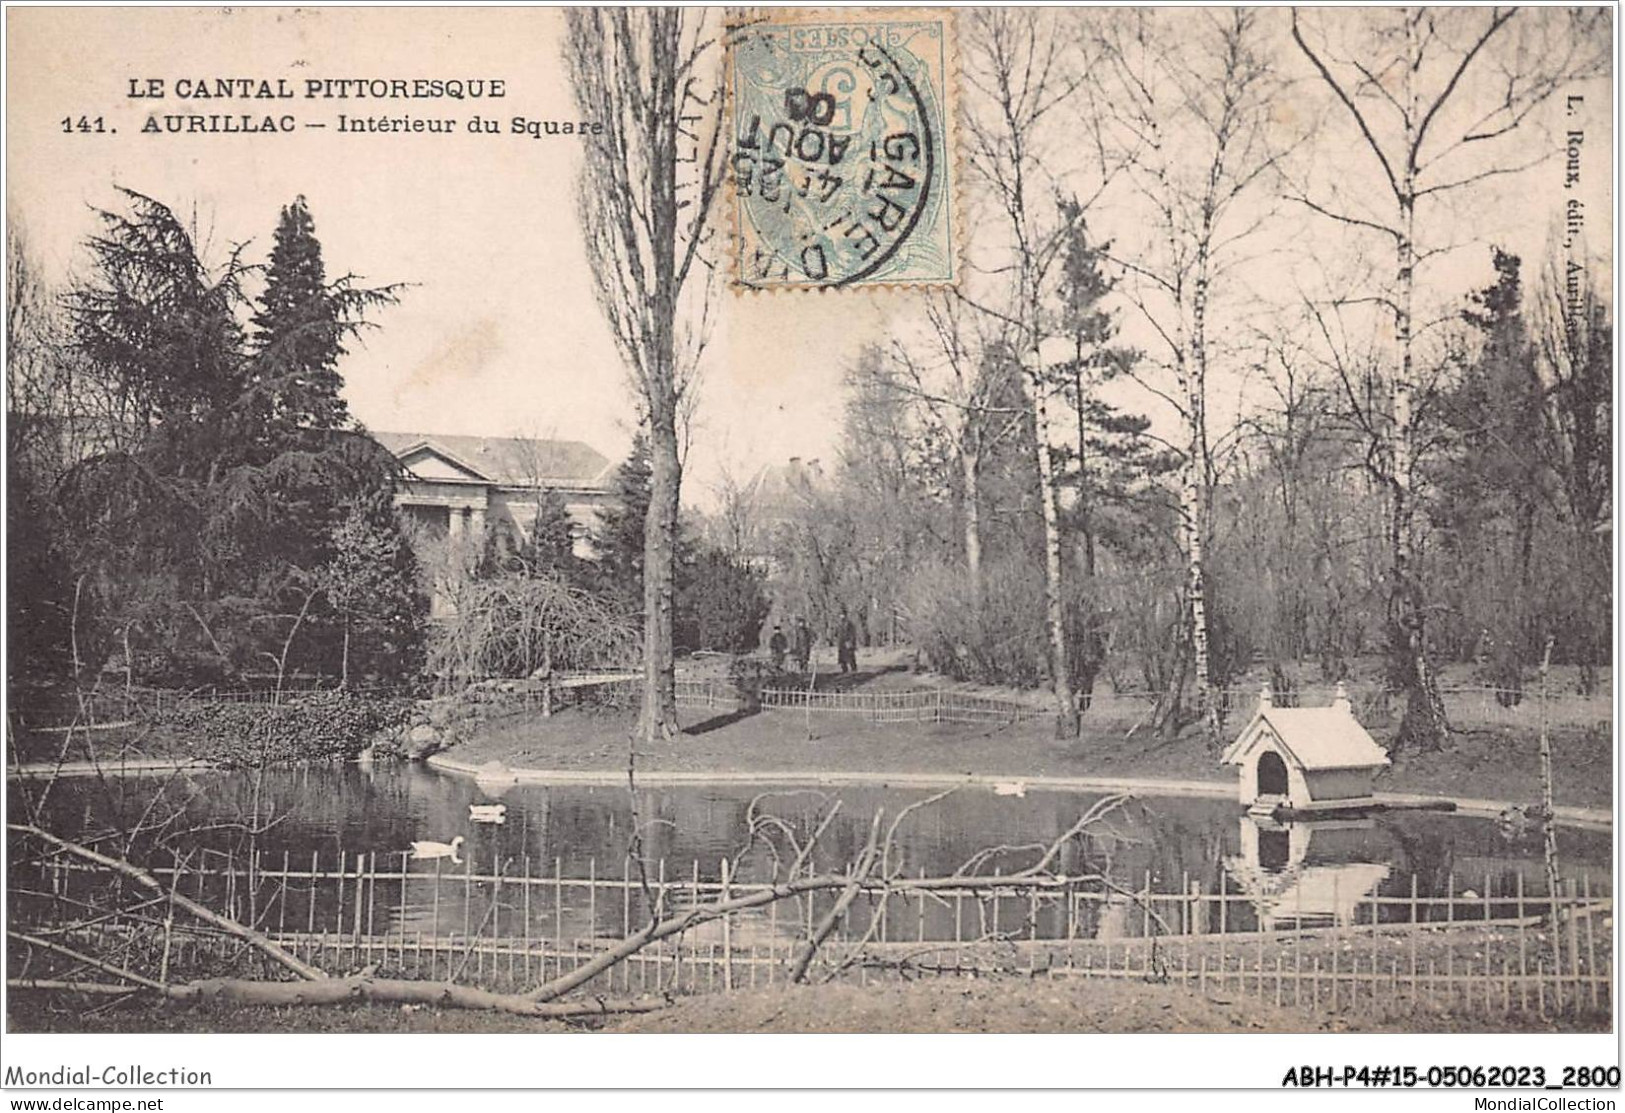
(497, 331)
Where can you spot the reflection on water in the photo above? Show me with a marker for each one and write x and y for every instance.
(1309, 874)
(322, 819)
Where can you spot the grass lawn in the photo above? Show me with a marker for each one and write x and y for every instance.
(1497, 763)
(1482, 759)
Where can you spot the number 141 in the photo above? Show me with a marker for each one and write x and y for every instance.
(82, 124)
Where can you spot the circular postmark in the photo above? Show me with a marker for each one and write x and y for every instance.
(835, 157)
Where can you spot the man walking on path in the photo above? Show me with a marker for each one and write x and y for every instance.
(848, 642)
(776, 646)
(802, 644)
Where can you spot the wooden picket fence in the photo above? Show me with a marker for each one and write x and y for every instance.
(1373, 705)
(515, 923)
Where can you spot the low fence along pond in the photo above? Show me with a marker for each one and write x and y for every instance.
(511, 923)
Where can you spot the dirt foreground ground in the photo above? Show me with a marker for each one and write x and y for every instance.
(947, 1005)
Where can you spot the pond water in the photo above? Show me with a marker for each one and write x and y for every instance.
(306, 830)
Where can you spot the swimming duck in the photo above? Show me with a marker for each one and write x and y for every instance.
(488, 813)
(424, 850)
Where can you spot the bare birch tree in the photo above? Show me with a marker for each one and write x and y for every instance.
(954, 376)
(651, 78)
(1441, 102)
(1021, 67)
(1189, 98)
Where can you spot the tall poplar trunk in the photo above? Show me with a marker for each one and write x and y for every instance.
(659, 716)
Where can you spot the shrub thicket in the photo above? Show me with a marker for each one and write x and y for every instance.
(1004, 639)
(322, 726)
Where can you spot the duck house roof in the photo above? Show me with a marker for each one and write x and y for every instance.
(1311, 737)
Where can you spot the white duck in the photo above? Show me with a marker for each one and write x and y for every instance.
(488, 813)
(424, 850)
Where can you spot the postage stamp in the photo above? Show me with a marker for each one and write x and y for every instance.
(843, 170)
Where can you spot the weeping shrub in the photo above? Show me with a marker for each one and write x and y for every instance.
(513, 626)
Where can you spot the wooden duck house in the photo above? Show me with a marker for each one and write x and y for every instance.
(1305, 759)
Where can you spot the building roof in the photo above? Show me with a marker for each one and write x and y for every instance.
(511, 461)
(1312, 737)
(782, 488)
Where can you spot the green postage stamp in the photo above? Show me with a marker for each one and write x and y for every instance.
(843, 163)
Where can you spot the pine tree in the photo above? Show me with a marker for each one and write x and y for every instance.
(619, 538)
(551, 545)
(298, 328)
(370, 582)
(1491, 487)
(206, 521)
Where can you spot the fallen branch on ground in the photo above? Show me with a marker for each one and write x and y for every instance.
(255, 939)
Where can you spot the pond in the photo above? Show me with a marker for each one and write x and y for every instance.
(295, 849)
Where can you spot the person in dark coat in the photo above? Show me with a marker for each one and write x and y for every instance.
(776, 645)
(848, 642)
(802, 644)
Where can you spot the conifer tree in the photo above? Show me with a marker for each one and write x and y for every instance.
(619, 538)
(551, 546)
(298, 328)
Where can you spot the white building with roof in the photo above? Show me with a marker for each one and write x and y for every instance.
(1305, 758)
(463, 486)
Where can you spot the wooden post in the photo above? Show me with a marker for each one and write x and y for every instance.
(372, 896)
(995, 907)
(402, 912)
(592, 897)
(1335, 946)
(919, 930)
(1591, 945)
(282, 899)
(1554, 903)
(727, 934)
(525, 865)
(1574, 938)
(1415, 930)
(1523, 951)
(360, 886)
(496, 905)
(468, 899)
(1376, 917)
(558, 910)
(434, 929)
